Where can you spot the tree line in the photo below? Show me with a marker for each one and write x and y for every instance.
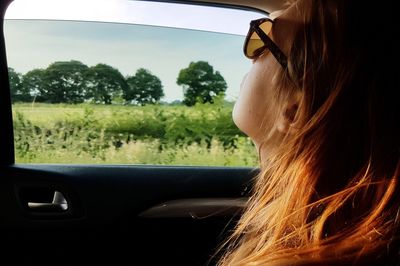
(74, 82)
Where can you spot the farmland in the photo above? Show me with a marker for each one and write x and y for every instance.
(203, 134)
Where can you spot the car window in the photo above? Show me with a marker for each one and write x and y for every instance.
(126, 82)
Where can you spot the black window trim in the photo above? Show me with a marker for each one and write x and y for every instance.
(6, 122)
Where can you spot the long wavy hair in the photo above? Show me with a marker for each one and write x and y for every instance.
(329, 194)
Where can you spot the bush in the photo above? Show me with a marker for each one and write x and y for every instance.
(200, 135)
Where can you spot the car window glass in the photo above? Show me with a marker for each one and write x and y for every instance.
(126, 82)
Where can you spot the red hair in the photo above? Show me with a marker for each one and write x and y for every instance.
(329, 194)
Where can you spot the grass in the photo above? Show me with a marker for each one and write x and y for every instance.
(99, 134)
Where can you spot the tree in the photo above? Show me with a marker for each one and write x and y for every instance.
(19, 93)
(144, 88)
(104, 83)
(33, 82)
(64, 82)
(200, 83)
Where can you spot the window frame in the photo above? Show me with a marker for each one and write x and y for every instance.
(7, 145)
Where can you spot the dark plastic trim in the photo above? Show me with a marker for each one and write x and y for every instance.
(212, 4)
(6, 129)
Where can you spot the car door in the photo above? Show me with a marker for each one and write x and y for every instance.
(73, 212)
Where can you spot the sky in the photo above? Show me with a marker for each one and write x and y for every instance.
(127, 45)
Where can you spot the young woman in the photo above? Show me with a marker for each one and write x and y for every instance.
(321, 103)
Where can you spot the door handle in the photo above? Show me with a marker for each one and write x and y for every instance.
(58, 204)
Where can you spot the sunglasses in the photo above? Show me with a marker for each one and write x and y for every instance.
(257, 41)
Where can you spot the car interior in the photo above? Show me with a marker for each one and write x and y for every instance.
(115, 214)
(139, 207)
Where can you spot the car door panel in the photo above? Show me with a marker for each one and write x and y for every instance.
(104, 221)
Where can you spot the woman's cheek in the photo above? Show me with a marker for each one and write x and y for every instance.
(253, 107)
(244, 115)
(239, 109)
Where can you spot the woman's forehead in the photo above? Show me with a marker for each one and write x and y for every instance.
(273, 15)
(286, 22)
(276, 13)
(289, 17)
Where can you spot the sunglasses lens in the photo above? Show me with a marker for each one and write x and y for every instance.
(266, 26)
(254, 46)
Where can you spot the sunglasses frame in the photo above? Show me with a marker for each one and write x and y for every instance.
(268, 43)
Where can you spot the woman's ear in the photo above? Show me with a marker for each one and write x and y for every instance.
(287, 121)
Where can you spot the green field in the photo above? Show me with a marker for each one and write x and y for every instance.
(116, 134)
